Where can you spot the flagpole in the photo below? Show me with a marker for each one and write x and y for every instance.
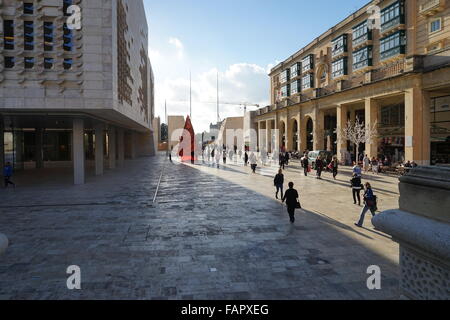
(167, 122)
(218, 105)
(190, 94)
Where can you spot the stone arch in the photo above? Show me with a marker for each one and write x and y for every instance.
(322, 76)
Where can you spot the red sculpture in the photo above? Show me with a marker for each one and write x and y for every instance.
(187, 142)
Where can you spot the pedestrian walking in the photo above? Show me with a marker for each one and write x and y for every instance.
(306, 165)
(366, 163)
(286, 158)
(224, 156)
(218, 159)
(356, 188)
(291, 198)
(279, 183)
(246, 158)
(7, 174)
(374, 165)
(357, 169)
(370, 201)
(334, 167)
(282, 160)
(253, 162)
(319, 167)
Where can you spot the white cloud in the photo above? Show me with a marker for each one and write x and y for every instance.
(240, 83)
(178, 45)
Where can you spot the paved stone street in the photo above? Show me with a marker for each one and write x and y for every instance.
(212, 234)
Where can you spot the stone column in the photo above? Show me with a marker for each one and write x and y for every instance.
(99, 149)
(417, 126)
(2, 146)
(78, 151)
(372, 110)
(341, 111)
(318, 132)
(133, 145)
(268, 135)
(112, 147)
(421, 226)
(18, 146)
(121, 147)
(39, 154)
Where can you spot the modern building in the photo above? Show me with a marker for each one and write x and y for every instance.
(74, 95)
(387, 64)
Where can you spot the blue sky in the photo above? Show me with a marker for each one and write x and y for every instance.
(240, 39)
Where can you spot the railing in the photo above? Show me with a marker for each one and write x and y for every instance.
(389, 71)
(353, 81)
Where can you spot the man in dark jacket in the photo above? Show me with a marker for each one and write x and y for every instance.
(306, 165)
(356, 188)
(319, 167)
(279, 183)
(291, 199)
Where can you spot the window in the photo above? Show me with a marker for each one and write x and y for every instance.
(295, 70)
(308, 81)
(68, 38)
(339, 68)
(393, 45)
(362, 58)
(339, 45)
(308, 63)
(284, 76)
(29, 63)
(295, 87)
(48, 36)
(361, 33)
(8, 34)
(392, 15)
(28, 35)
(66, 5)
(435, 25)
(28, 8)
(285, 91)
(10, 62)
(68, 64)
(48, 63)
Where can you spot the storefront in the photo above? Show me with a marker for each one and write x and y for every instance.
(391, 131)
(440, 131)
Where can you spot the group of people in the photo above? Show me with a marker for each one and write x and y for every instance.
(291, 196)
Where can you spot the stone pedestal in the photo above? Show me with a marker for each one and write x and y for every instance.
(3, 243)
(422, 228)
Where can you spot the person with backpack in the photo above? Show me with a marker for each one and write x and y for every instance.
(279, 183)
(370, 201)
(291, 198)
(356, 188)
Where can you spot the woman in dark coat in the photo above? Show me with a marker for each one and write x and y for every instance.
(291, 199)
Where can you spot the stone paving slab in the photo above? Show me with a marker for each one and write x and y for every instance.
(213, 234)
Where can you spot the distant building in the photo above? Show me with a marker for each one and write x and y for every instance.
(176, 126)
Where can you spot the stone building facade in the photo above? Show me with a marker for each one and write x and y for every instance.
(386, 64)
(72, 96)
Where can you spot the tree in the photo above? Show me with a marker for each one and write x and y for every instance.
(358, 133)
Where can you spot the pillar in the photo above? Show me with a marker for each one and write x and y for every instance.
(133, 145)
(121, 147)
(318, 131)
(261, 136)
(417, 126)
(78, 151)
(99, 149)
(268, 135)
(112, 147)
(39, 155)
(372, 108)
(341, 112)
(2, 145)
(18, 147)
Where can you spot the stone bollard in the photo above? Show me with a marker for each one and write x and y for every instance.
(3, 243)
(421, 226)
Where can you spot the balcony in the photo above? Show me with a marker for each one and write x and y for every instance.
(431, 7)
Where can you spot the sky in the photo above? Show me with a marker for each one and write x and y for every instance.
(241, 40)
